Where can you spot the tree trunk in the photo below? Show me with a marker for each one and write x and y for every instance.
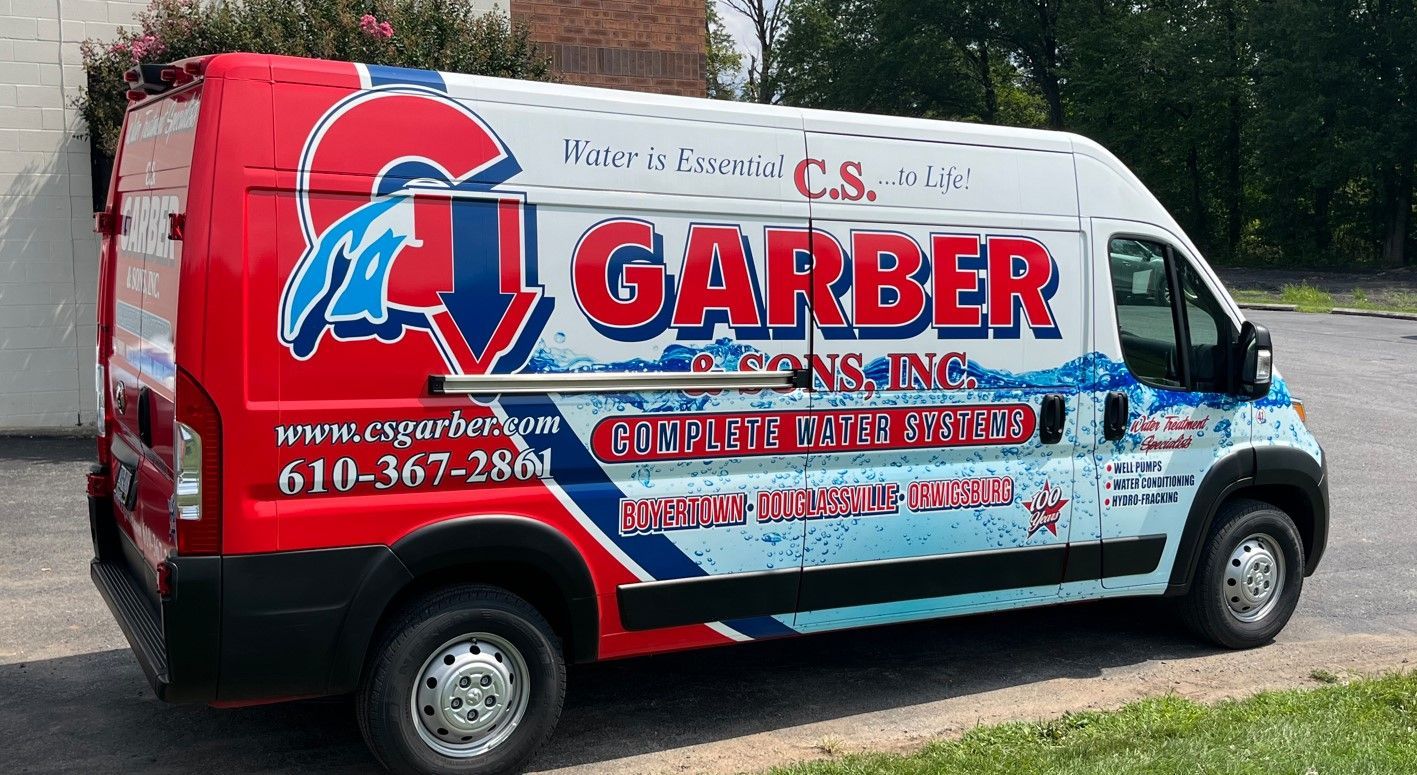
(1323, 226)
(1397, 213)
(1200, 229)
(1047, 63)
(986, 79)
(1053, 95)
(1234, 191)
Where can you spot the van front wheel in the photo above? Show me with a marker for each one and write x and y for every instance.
(1248, 580)
(468, 679)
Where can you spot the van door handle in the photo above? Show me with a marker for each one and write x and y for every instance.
(1052, 416)
(145, 417)
(1115, 416)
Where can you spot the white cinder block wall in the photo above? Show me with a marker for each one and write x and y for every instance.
(48, 252)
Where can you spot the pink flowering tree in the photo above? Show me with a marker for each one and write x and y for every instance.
(431, 34)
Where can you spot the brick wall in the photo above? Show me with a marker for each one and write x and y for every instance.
(626, 44)
(48, 253)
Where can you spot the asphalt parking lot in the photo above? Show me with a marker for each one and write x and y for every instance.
(72, 698)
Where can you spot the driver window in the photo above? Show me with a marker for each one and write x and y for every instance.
(1143, 297)
(1209, 329)
(1151, 346)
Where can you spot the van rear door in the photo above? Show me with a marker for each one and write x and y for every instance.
(138, 318)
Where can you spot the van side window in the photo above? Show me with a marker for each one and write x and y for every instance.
(1165, 344)
(1143, 295)
(1209, 330)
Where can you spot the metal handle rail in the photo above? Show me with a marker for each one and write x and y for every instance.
(613, 382)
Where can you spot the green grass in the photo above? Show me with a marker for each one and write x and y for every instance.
(1255, 296)
(1392, 301)
(1308, 298)
(1368, 726)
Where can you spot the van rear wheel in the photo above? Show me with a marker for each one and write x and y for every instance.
(467, 679)
(1249, 576)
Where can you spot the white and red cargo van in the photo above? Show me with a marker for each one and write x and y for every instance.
(420, 385)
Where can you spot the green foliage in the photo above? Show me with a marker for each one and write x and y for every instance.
(428, 34)
(1306, 297)
(1278, 132)
(722, 59)
(1319, 674)
(1336, 123)
(930, 58)
(1364, 726)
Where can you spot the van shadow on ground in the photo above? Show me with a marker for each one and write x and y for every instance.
(94, 711)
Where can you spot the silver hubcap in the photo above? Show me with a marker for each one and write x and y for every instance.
(470, 696)
(1254, 578)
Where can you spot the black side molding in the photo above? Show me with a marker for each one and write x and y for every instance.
(652, 604)
(1131, 555)
(300, 623)
(890, 581)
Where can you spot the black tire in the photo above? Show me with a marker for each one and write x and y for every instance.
(384, 702)
(1206, 608)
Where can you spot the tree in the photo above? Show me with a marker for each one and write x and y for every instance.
(1389, 113)
(429, 34)
(1337, 122)
(933, 58)
(722, 59)
(1033, 29)
(769, 20)
(1164, 85)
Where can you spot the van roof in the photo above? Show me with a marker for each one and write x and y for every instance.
(317, 71)
(1125, 196)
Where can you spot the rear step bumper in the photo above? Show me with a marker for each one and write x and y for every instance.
(135, 617)
(270, 626)
(177, 640)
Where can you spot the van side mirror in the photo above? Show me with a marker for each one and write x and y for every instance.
(1255, 358)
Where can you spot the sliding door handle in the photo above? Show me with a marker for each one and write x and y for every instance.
(1052, 417)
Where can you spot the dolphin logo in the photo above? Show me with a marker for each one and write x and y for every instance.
(343, 278)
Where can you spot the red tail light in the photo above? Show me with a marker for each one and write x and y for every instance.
(198, 467)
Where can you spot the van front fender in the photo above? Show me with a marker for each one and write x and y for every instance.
(1289, 478)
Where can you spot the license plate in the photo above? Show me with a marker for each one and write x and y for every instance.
(123, 488)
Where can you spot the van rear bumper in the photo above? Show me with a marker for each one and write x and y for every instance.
(176, 640)
(245, 628)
